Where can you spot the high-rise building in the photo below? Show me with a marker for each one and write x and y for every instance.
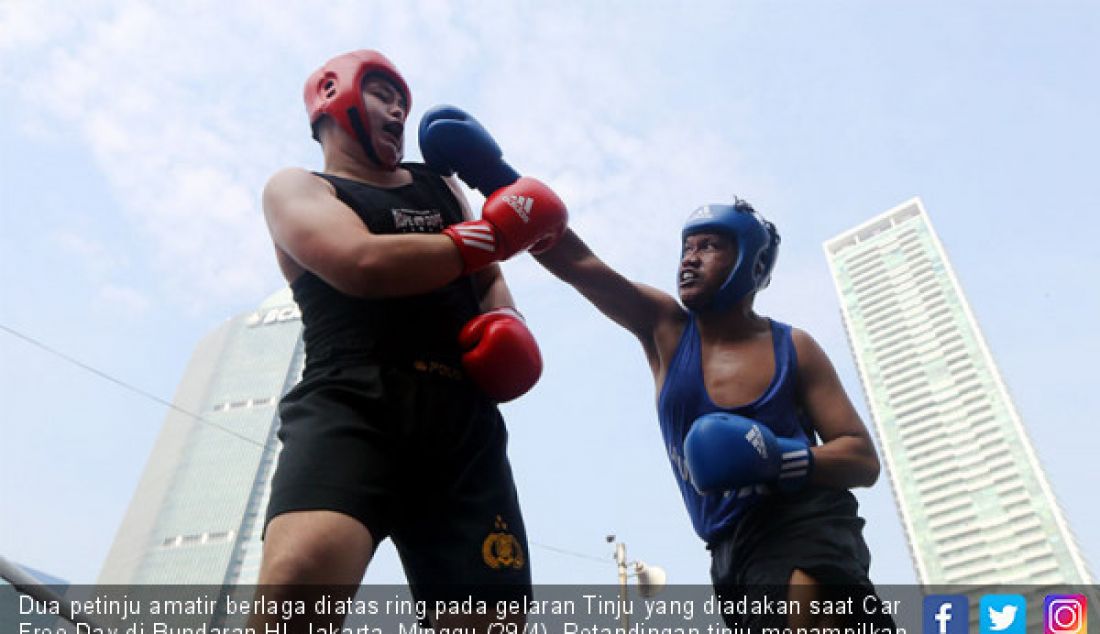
(975, 503)
(197, 514)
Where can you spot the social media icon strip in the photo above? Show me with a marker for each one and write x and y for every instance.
(1065, 614)
(1003, 614)
(945, 614)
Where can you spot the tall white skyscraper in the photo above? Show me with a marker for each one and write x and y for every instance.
(975, 503)
(197, 514)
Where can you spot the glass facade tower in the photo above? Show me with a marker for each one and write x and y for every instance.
(975, 503)
(198, 511)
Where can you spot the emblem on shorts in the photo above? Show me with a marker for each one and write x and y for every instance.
(501, 549)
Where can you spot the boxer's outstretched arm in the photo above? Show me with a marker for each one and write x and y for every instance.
(641, 309)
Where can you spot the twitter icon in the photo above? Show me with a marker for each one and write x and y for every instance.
(1003, 614)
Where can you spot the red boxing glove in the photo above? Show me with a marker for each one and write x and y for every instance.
(501, 355)
(513, 219)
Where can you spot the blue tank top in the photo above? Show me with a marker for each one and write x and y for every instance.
(684, 398)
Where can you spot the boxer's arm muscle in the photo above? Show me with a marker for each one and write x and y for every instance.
(323, 235)
(847, 456)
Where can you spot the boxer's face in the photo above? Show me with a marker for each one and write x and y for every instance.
(705, 263)
(386, 110)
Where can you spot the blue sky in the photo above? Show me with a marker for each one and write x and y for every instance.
(137, 137)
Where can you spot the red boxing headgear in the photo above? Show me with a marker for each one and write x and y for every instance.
(336, 90)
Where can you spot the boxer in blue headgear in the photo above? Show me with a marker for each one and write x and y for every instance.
(761, 436)
(757, 243)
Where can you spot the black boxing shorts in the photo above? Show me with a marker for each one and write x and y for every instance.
(817, 531)
(415, 453)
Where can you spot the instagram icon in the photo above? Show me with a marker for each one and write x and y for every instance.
(1065, 614)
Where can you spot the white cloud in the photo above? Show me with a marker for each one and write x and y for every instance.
(187, 115)
(99, 263)
(25, 24)
(138, 86)
(123, 301)
(91, 256)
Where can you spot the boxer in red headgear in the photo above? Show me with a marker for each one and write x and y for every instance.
(335, 90)
(411, 338)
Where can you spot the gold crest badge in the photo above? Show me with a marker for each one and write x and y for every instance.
(501, 549)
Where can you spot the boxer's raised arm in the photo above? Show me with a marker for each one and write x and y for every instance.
(639, 308)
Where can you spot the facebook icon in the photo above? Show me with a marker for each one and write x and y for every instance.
(945, 614)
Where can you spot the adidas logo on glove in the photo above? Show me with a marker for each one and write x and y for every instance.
(757, 441)
(521, 205)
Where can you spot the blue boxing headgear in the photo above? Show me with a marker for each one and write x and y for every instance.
(757, 247)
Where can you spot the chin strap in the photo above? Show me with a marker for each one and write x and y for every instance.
(364, 138)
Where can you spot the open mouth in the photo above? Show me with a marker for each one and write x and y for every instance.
(394, 130)
(688, 277)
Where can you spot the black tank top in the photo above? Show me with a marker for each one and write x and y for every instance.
(340, 327)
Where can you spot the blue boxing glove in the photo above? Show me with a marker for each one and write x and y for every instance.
(727, 452)
(452, 141)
